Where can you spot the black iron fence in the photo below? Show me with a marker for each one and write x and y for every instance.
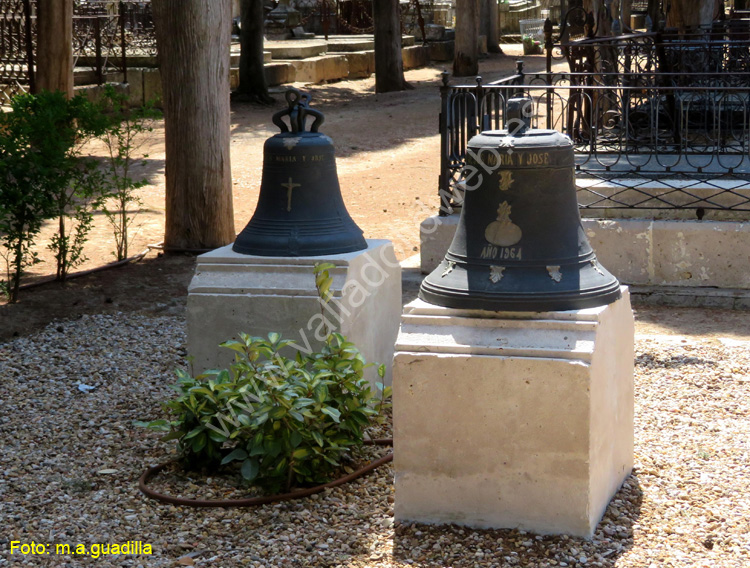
(324, 17)
(654, 145)
(17, 46)
(108, 32)
(105, 34)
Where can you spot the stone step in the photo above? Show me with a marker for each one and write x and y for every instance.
(296, 48)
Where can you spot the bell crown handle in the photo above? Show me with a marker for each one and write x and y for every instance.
(298, 110)
(518, 115)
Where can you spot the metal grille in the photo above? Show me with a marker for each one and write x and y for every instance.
(654, 146)
(17, 32)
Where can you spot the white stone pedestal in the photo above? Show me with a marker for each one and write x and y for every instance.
(232, 293)
(512, 419)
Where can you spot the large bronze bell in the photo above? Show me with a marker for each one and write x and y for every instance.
(300, 210)
(519, 244)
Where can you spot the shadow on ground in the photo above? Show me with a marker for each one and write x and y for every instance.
(428, 546)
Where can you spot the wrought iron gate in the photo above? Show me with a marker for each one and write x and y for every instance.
(17, 39)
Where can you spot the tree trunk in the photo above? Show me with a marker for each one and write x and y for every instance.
(193, 40)
(389, 67)
(687, 14)
(466, 59)
(253, 86)
(54, 63)
(493, 30)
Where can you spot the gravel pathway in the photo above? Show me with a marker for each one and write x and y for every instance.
(70, 461)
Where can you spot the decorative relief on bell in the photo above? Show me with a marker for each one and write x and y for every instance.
(503, 232)
(496, 273)
(290, 185)
(448, 269)
(291, 142)
(554, 273)
(506, 180)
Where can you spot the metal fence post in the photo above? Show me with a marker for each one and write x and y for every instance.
(98, 48)
(122, 41)
(29, 46)
(445, 146)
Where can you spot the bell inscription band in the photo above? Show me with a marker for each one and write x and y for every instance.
(300, 210)
(519, 244)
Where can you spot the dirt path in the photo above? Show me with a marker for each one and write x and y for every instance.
(387, 157)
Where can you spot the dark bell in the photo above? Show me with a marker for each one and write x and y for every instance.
(519, 244)
(300, 210)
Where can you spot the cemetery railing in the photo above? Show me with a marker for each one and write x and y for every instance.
(650, 144)
(107, 32)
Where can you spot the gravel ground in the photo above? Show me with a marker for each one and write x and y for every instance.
(70, 462)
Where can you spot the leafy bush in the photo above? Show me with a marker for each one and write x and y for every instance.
(123, 139)
(37, 162)
(286, 421)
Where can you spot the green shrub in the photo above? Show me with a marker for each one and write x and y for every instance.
(123, 138)
(286, 421)
(38, 163)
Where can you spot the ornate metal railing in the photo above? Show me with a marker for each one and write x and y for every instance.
(107, 32)
(17, 46)
(654, 145)
(722, 48)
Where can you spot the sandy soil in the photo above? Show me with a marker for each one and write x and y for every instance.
(387, 157)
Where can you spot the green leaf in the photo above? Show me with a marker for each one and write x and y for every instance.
(295, 439)
(274, 337)
(238, 454)
(272, 447)
(199, 442)
(318, 438)
(250, 469)
(300, 453)
(194, 432)
(280, 467)
(332, 412)
(216, 436)
(320, 393)
(277, 413)
(174, 435)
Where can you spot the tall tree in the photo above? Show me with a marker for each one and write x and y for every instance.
(193, 38)
(493, 30)
(54, 63)
(389, 66)
(253, 86)
(466, 57)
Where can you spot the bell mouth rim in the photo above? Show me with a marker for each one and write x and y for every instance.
(515, 302)
(528, 133)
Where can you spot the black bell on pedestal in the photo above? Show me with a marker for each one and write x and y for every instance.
(519, 244)
(300, 210)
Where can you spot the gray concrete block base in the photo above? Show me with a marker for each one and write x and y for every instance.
(232, 293)
(512, 419)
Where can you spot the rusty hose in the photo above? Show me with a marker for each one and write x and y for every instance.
(255, 501)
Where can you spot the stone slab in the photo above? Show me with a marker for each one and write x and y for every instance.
(348, 44)
(415, 56)
(321, 68)
(232, 293)
(442, 50)
(361, 64)
(151, 87)
(512, 419)
(296, 49)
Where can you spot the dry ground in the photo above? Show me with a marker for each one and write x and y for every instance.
(71, 459)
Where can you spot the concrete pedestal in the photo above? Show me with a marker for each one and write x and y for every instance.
(232, 293)
(512, 419)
